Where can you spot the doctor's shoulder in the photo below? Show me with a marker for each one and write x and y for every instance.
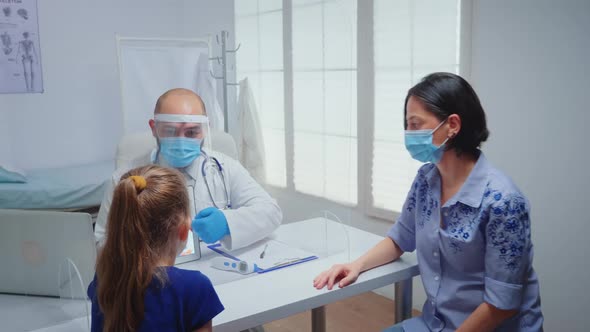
(220, 155)
(223, 158)
(231, 167)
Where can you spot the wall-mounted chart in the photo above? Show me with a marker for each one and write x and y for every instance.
(20, 55)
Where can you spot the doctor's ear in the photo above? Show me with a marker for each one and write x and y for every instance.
(454, 124)
(152, 124)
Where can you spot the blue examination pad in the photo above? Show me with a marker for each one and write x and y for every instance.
(58, 188)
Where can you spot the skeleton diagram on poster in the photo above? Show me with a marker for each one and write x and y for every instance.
(20, 58)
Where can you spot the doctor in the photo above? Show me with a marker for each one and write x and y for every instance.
(228, 205)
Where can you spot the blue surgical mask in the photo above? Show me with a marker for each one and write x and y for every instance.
(180, 152)
(419, 145)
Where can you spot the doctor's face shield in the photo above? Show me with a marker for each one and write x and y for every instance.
(181, 137)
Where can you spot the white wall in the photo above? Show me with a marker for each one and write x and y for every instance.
(78, 118)
(531, 68)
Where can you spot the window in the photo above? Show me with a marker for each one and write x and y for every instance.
(259, 29)
(411, 40)
(306, 83)
(324, 99)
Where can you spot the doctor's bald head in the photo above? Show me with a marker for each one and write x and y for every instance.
(180, 101)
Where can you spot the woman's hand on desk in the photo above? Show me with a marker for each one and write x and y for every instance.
(343, 274)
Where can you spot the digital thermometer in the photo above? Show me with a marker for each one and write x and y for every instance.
(227, 264)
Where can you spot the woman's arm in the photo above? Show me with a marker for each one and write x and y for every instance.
(403, 231)
(208, 327)
(507, 260)
(485, 318)
(384, 252)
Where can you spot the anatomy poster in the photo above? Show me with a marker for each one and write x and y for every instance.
(20, 57)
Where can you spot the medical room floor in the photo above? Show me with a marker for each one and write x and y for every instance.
(365, 312)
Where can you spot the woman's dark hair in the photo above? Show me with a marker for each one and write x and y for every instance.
(444, 94)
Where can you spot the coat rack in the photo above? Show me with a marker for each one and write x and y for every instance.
(222, 60)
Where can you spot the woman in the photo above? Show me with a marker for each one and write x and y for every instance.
(467, 220)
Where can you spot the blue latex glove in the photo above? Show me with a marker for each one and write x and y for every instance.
(210, 224)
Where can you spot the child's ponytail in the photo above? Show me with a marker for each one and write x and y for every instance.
(147, 207)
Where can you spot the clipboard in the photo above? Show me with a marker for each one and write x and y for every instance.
(277, 255)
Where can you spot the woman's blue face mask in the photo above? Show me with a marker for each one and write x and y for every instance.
(419, 145)
(180, 152)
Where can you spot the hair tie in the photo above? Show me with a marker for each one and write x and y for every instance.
(139, 182)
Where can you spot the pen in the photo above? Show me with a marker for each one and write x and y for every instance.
(263, 251)
(288, 263)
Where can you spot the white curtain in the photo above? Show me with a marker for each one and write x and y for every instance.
(150, 67)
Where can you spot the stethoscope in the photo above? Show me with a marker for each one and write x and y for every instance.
(192, 184)
(219, 168)
(216, 165)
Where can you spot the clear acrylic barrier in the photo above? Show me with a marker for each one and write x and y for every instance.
(323, 234)
(49, 261)
(72, 292)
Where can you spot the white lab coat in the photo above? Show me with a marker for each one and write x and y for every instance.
(253, 215)
(250, 144)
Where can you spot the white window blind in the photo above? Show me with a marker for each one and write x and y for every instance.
(324, 99)
(312, 141)
(411, 39)
(259, 29)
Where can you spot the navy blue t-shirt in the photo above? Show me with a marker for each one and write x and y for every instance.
(186, 302)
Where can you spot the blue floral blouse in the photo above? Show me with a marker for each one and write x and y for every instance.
(475, 248)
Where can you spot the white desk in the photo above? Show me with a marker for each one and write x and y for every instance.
(266, 297)
(289, 291)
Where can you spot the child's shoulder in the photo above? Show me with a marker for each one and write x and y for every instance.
(191, 286)
(187, 278)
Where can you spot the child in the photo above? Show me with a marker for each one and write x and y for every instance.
(136, 286)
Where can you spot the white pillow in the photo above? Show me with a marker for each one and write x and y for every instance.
(10, 174)
(133, 146)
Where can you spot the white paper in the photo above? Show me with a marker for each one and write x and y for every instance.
(20, 54)
(275, 253)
